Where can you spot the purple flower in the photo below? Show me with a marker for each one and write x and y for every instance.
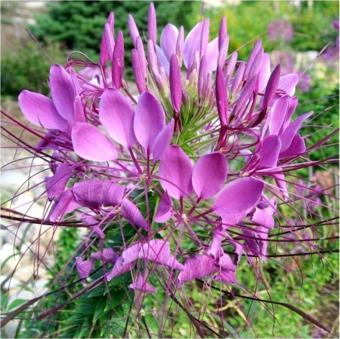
(193, 165)
(280, 30)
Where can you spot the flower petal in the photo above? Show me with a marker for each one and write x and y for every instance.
(278, 114)
(91, 144)
(55, 185)
(269, 153)
(237, 199)
(204, 183)
(131, 212)
(141, 284)
(84, 267)
(119, 268)
(40, 111)
(164, 209)
(290, 132)
(152, 24)
(149, 120)
(65, 204)
(158, 251)
(192, 45)
(288, 83)
(264, 217)
(163, 140)
(118, 61)
(175, 172)
(62, 91)
(221, 96)
(212, 55)
(197, 267)
(116, 114)
(162, 60)
(107, 42)
(95, 193)
(133, 30)
(175, 84)
(168, 40)
(297, 147)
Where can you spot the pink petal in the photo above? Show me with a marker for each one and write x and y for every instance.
(119, 268)
(175, 172)
(212, 55)
(282, 184)
(278, 114)
(237, 199)
(202, 77)
(215, 249)
(264, 73)
(222, 32)
(288, 135)
(65, 204)
(221, 96)
(269, 153)
(264, 217)
(107, 255)
(164, 209)
(226, 263)
(271, 87)
(78, 109)
(131, 253)
(40, 111)
(138, 71)
(158, 251)
(141, 284)
(192, 45)
(55, 185)
(162, 59)
(107, 42)
(168, 40)
(84, 267)
(152, 24)
(197, 267)
(228, 277)
(149, 120)
(288, 83)
(96, 193)
(180, 44)
(134, 33)
(223, 52)
(62, 91)
(162, 141)
(296, 148)
(175, 84)
(116, 115)
(231, 64)
(118, 61)
(253, 58)
(91, 144)
(204, 36)
(204, 183)
(142, 58)
(131, 212)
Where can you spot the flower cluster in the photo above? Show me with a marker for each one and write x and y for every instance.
(192, 160)
(280, 30)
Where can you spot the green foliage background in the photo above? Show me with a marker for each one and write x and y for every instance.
(79, 24)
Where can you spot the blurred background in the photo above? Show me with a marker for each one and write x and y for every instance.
(301, 35)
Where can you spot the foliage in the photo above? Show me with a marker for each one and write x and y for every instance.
(28, 68)
(313, 28)
(323, 100)
(78, 25)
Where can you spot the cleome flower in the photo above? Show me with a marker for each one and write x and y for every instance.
(190, 167)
